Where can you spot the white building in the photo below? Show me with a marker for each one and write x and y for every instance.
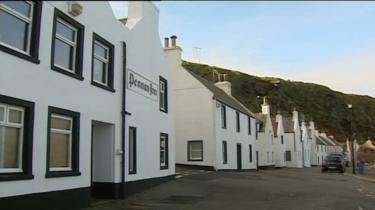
(332, 145)
(313, 147)
(70, 125)
(280, 145)
(306, 144)
(293, 140)
(213, 129)
(265, 143)
(321, 148)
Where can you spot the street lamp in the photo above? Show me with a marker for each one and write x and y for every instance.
(351, 135)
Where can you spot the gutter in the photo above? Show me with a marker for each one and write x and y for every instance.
(123, 121)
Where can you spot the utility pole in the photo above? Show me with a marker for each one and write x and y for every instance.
(351, 135)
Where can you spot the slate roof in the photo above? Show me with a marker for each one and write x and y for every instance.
(288, 125)
(263, 118)
(221, 96)
(319, 140)
(274, 126)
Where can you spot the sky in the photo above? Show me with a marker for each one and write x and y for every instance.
(328, 43)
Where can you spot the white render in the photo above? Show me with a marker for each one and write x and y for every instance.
(198, 117)
(313, 148)
(38, 83)
(265, 144)
(306, 145)
(280, 146)
(294, 143)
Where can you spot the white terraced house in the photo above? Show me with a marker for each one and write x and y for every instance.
(306, 145)
(280, 145)
(293, 140)
(213, 129)
(85, 103)
(265, 143)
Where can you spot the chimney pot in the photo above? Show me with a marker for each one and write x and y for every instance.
(173, 38)
(166, 42)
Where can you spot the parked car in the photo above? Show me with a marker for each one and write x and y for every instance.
(333, 162)
(344, 156)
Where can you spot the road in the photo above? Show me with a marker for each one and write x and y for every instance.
(270, 189)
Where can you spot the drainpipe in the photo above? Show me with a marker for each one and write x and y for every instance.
(123, 125)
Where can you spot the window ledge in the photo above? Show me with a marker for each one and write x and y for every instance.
(162, 110)
(53, 174)
(60, 70)
(19, 54)
(110, 89)
(15, 176)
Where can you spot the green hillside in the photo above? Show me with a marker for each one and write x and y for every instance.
(328, 108)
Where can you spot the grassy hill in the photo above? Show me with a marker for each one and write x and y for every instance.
(328, 108)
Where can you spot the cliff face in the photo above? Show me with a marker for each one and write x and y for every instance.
(328, 108)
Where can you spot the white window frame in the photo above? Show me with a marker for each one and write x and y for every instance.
(162, 93)
(61, 131)
(68, 42)
(104, 60)
(6, 123)
(28, 20)
(164, 150)
(191, 150)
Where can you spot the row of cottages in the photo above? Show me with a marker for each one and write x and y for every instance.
(85, 104)
(213, 129)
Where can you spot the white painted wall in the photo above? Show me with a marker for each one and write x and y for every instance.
(232, 137)
(280, 146)
(294, 144)
(39, 84)
(265, 145)
(306, 147)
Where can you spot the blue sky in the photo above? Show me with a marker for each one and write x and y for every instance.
(330, 43)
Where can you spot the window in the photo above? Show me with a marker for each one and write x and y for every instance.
(20, 28)
(102, 63)
(249, 124)
(163, 95)
(237, 121)
(62, 143)
(256, 130)
(272, 157)
(223, 116)
(225, 154)
(250, 153)
(268, 157)
(164, 151)
(282, 139)
(288, 156)
(195, 150)
(16, 132)
(132, 150)
(67, 46)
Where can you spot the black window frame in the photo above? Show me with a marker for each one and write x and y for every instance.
(165, 81)
(75, 142)
(249, 125)
(238, 129)
(282, 139)
(134, 157)
(188, 150)
(111, 60)
(166, 151)
(225, 152)
(250, 153)
(28, 133)
(288, 155)
(33, 55)
(79, 47)
(223, 113)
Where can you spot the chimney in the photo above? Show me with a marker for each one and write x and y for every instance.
(295, 118)
(224, 85)
(265, 106)
(312, 125)
(166, 42)
(173, 41)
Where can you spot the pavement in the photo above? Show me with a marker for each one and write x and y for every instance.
(288, 189)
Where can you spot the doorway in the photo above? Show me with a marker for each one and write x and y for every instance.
(102, 159)
(239, 157)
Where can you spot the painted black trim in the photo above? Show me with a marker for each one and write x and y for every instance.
(239, 156)
(79, 48)
(225, 152)
(249, 125)
(134, 158)
(140, 185)
(107, 190)
(223, 109)
(27, 150)
(166, 151)
(286, 155)
(56, 200)
(238, 126)
(197, 167)
(34, 38)
(111, 58)
(188, 150)
(162, 79)
(75, 142)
